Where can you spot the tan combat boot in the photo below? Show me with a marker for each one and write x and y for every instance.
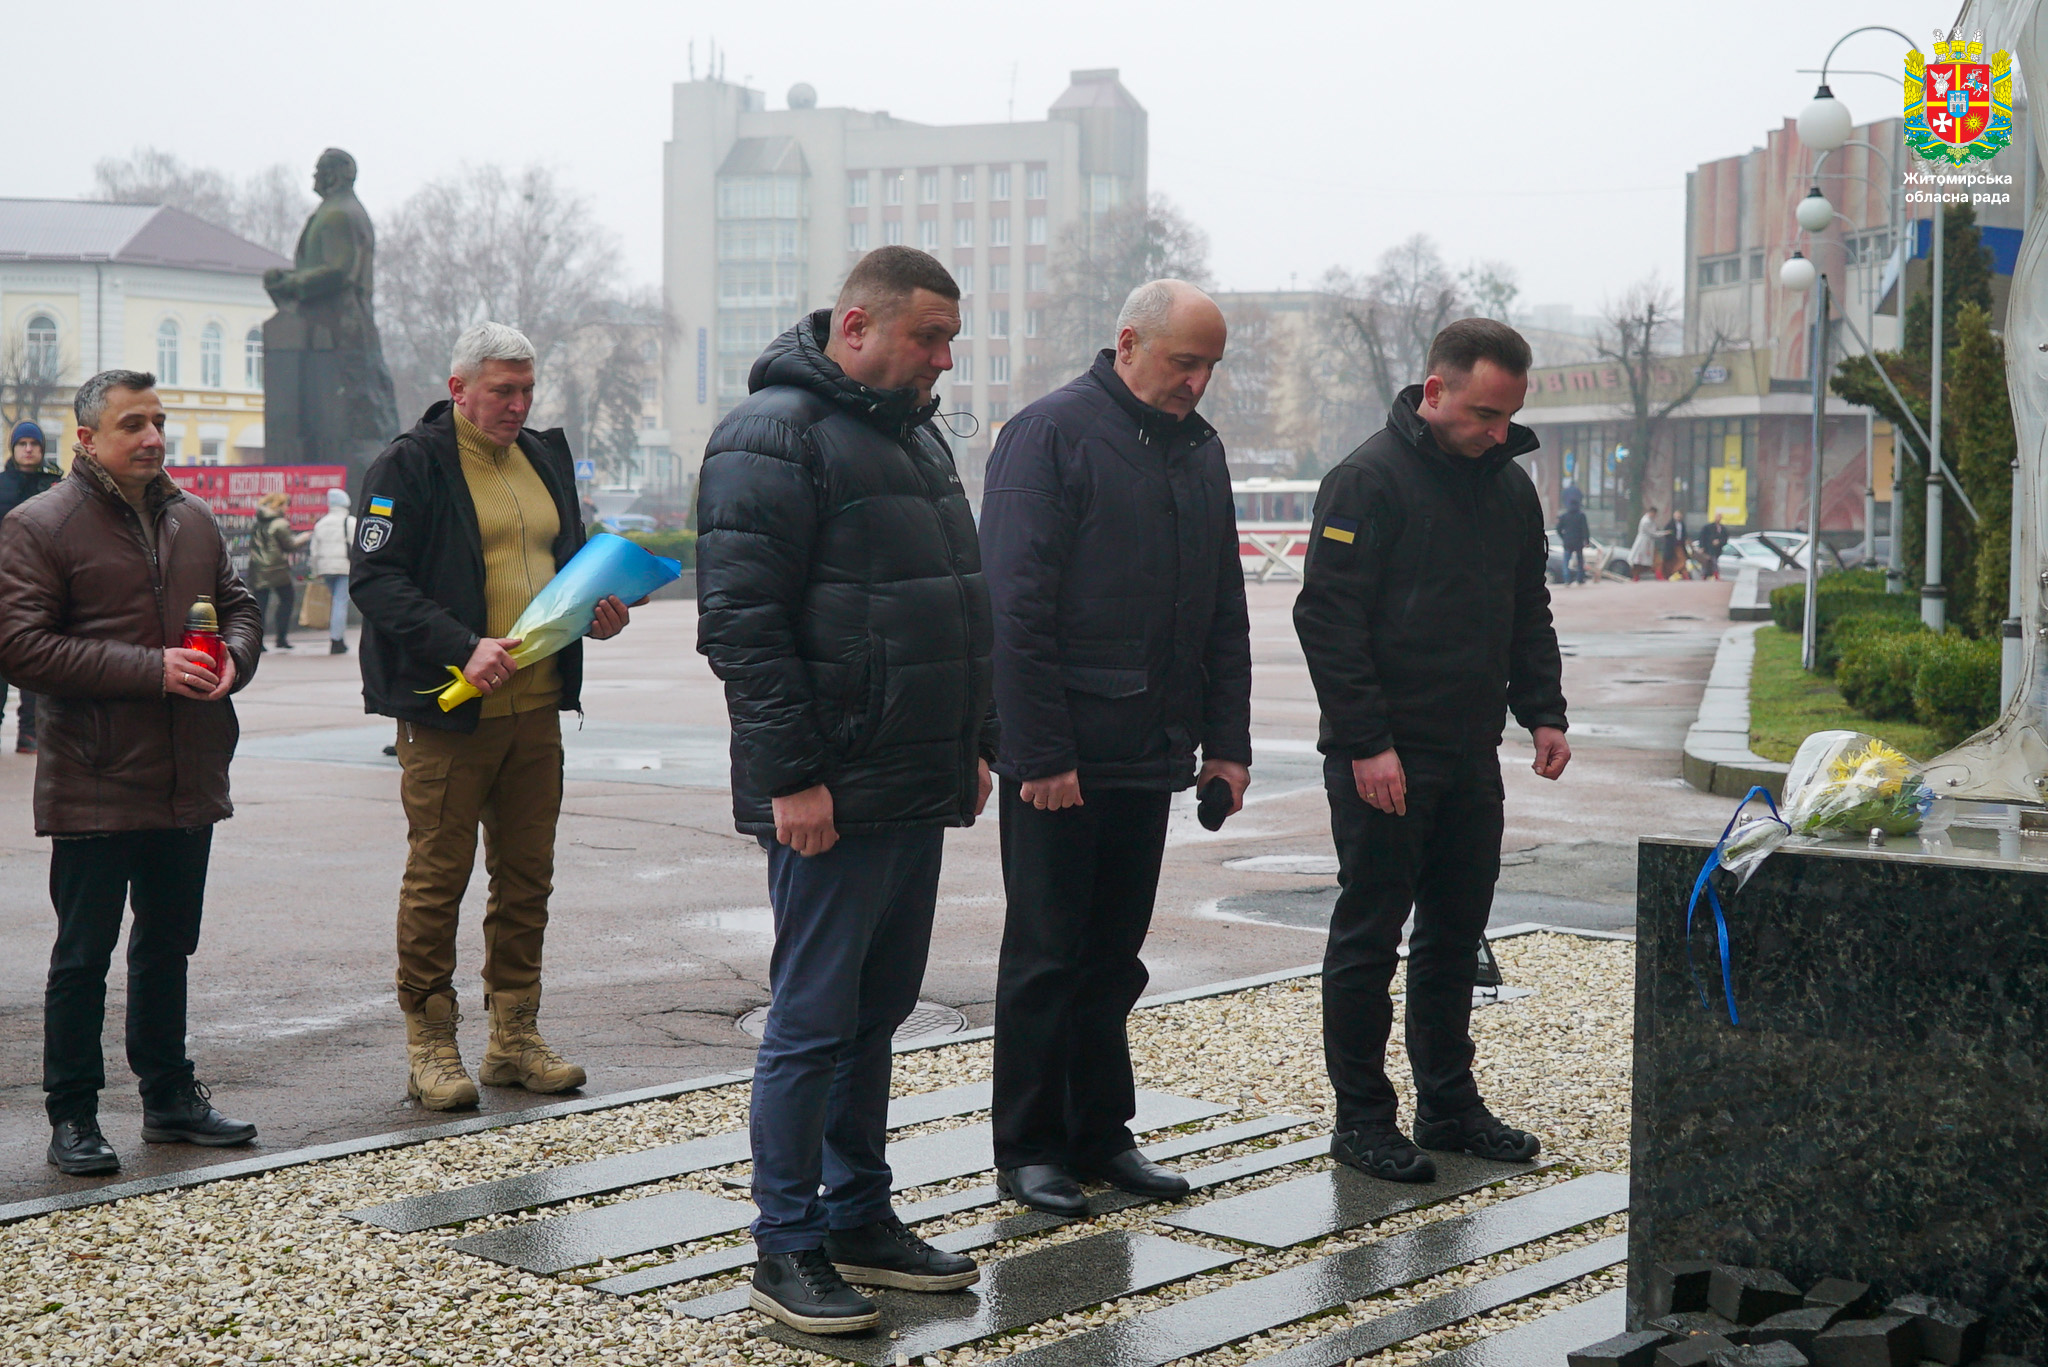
(437, 1076)
(518, 1056)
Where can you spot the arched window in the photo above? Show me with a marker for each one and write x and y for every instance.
(42, 347)
(209, 355)
(252, 359)
(167, 351)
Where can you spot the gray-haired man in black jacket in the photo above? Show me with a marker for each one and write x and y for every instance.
(1122, 649)
(1425, 618)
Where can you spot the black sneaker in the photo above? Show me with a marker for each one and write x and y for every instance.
(806, 1292)
(187, 1117)
(1480, 1133)
(337, 647)
(1384, 1153)
(78, 1149)
(886, 1253)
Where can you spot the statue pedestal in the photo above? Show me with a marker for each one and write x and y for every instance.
(1881, 1113)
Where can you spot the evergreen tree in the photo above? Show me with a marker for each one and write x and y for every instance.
(1980, 445)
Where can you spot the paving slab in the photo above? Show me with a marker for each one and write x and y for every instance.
(621, 1171)
(1440, 1312)
(1325, 1202)
(1102, 1203)
(1013, 1294)
(1545, 1342)
(1251, 1307)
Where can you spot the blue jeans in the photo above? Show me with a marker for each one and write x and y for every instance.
(852, 929)
(337, 616)
(1575, 565)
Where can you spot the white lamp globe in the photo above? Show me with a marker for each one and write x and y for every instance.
(1814, 212)
(1797, 274)
(1825, 125)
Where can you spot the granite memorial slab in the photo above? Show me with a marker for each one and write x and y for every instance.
(1014, 1293)
(602, 1176)
(956, 1153)
(1440, 1312)
(1862, 1121)
(1342, 1198)
(1253, 1306)
(1545, 1342)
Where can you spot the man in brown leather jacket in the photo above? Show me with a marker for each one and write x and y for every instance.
(96, 579)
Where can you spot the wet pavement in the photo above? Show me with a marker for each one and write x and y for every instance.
(661, 927)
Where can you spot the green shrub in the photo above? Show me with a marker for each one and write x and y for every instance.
(1788, 604)
(1876, 673)
(1844, 632)
(1955, 688)
(675, 545)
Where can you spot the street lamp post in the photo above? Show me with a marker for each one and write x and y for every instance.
(1933, 596)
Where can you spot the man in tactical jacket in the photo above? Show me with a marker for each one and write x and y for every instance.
(1425, 619)
(841, 600)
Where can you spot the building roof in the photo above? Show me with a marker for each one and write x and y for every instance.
(1096, 89)
(128, 234)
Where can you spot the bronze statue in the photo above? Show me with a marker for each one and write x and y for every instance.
(327, 394)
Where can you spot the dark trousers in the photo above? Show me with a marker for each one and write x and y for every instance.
(163, 875)
(852, 928)
(24, 711)
(1080, 883)
(276, 602)
(1441, 860)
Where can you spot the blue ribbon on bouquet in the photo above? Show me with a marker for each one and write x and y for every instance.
(1704, 883)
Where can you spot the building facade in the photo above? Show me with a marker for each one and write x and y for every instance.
(87, 286)
(766, 210)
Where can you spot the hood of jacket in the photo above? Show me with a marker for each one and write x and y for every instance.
(1405, 420)
(798, 358)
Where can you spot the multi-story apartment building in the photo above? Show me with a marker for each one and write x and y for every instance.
(86, 286)
(765, 210)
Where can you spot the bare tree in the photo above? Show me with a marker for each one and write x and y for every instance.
(1639, 336)
(517, 247)
(29, 383)
(1245, 400)
(1493, 287)
(268, 207)
(1381, 326)
(1094, 266)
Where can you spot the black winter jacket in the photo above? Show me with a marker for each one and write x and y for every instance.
(1122, 641)
(18, 486)
(1424, 612)
(416, 570)
(840, 598)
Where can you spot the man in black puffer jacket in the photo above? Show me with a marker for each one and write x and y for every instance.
(1425, 619)
(1122, 648)
(840, 598)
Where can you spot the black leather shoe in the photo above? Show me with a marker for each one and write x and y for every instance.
(805, 1292)
(188, 1118)
(337, 647)
(1131, 1171)
(886, 1253)
(78, 1149)
(1480, 1133)
(1043, 1186)
(1383, 1153)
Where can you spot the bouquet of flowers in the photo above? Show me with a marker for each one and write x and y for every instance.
(607, 566)
(1848, 783)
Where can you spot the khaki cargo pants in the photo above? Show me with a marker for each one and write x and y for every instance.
(506, 778)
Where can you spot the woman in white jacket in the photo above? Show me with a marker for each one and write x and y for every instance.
(1641, 556)
(328, 559)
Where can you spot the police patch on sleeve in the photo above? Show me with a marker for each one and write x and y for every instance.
(376, 531)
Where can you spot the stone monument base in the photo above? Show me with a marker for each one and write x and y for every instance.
(1881, 1112)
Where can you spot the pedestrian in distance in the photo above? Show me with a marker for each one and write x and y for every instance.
(1642, 552)
(1122, 656)
(1573, 533)
(272, 543)
(1425, 620)
(841, 601)
(328, 562)
(465, 518)
(29, 471)
(1713, 540)
(96, 580)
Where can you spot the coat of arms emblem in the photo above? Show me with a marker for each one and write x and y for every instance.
(1958, 107)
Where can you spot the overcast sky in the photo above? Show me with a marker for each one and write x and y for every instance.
(1299, 135)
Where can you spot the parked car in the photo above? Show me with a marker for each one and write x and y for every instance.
(630, 522)
(1763, 551)
(1597, 555)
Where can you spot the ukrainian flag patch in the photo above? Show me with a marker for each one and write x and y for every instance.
(1342, 529)
(380, 507)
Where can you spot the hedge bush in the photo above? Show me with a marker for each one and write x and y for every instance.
(1844, 632)
(1788, 601)
(1876, 673)
(1955, 688)
(679, 545)
(1788, 604)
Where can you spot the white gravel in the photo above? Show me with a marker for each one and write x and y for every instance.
(267, 1269)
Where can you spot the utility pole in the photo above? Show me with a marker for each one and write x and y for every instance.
(1933, 595)
(1809, 648)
